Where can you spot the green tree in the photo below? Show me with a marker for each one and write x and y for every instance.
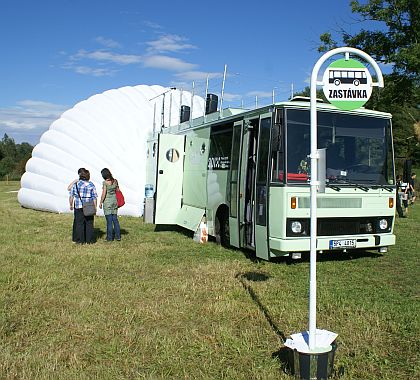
(13, 157)
(395, 42)
(8, 147)
(306, 92)
(7, 165)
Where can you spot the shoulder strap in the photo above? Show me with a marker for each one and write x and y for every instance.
(79, 193)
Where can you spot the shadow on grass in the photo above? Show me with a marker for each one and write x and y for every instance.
(259, 277)
(100, 234)
(174, 228)
(284, 353)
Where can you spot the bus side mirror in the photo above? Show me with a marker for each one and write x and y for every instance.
(322, 169)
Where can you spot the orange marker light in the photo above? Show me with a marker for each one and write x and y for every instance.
(293, 202)
(391, 202)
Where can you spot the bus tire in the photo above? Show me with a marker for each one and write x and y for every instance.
(222, 228)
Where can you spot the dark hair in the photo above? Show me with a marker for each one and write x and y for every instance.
(106, 174)
(81, 170)
(84, 174)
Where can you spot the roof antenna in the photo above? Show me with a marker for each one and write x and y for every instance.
(223, 92)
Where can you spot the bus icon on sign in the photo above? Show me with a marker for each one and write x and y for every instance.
(347, 76)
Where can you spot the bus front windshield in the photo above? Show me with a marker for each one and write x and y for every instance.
(358, 148)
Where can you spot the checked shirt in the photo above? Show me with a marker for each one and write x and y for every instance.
(87, 191)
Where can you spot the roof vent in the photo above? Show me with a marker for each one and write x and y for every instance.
(305, 99)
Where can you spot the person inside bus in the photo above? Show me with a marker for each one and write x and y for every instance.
(335, 162)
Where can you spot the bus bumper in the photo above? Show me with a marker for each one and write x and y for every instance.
(280, 247)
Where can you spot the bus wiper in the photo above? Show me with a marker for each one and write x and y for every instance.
(347, 182)
(388, 188)
(336, 188)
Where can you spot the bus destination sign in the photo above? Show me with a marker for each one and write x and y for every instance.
(347, 84)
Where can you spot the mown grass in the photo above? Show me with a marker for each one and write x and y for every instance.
(159, 306)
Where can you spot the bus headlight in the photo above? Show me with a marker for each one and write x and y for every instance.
(383, 224)
(296, 227)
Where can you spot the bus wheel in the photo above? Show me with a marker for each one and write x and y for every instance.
(222, 229)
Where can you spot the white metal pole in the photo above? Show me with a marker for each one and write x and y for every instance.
(223, 91)
(205, 98)
(162, 121)
(180, 106)
(192, 103)
(313, 213)
(273, 95)
(170, 109)
(314, 175)
(154, 120)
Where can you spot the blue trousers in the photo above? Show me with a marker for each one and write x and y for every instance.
(112, 227)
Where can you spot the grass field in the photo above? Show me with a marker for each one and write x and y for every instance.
(159, 306)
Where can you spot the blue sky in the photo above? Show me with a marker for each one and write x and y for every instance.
(58, 53)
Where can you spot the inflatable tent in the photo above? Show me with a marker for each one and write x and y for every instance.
(107, 130)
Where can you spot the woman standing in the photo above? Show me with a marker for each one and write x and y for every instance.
(83, 191)
(109, 202)
(69, 188)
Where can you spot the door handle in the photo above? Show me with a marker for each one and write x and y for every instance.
(160, 171)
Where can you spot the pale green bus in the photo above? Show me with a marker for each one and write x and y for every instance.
(247, 172)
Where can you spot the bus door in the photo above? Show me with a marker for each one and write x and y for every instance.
(241, 183)
(169, 177)
(247, 183)
(233, 184)
(261, 188)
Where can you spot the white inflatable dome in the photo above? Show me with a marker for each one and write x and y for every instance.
(108, 130)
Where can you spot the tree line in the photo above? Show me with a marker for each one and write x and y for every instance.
(395, 43)
(13, 158)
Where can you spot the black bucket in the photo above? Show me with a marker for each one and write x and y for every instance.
(314, 366)
(211, 103)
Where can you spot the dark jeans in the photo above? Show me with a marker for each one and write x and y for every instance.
(84, 227)
(73, 235)
(398, 205)
(112, 227)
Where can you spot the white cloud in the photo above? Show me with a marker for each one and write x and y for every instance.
(197, 75)
(28, 119)
(167, 63)
(107, 42)
(231, 97)
(169, 43)
(152, 25)
(260, 94)
(101, 72)
(101, 55)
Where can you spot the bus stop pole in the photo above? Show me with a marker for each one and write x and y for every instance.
(314, 174)
(313, 211)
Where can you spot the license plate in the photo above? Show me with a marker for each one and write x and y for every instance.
(345, 243)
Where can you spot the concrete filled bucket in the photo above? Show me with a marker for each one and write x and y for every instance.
(314, 366)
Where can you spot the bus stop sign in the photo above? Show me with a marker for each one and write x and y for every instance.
(347, 84)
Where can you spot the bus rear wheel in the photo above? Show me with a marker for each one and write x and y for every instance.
(222, 228)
